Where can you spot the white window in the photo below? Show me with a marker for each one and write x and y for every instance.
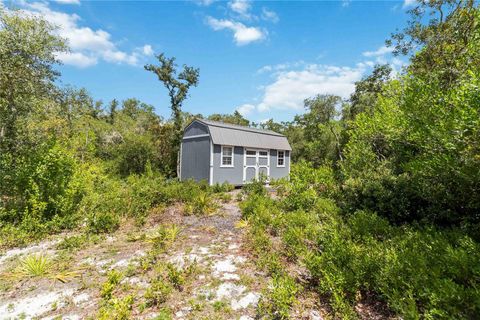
(281, 159)
(263, 154)
(227, 156)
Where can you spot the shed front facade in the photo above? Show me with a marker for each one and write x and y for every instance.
(218, 152)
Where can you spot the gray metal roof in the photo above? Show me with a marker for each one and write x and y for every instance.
(236, 135)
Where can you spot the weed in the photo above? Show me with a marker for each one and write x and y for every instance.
(175, 276)
(164, 314)
(158, 292)
(222, 307)
(113, 279)
(117, 309)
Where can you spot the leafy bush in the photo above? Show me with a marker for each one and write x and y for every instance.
(158, 292)
(277, 301)
(102, 222)
(418, 271)
(306, 185)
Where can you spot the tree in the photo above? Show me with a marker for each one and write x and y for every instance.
(113, 111)
(366, 92)
(178, 86)
(442, 34)
(28, 48)
(321, 129)
(235, 118)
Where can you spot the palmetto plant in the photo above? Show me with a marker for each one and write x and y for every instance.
(35, 265)
(41, 265)
(165, 236)
(203, 204)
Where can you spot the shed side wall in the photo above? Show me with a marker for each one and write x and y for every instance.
(231, 175)
(196, 159)
(279, 172)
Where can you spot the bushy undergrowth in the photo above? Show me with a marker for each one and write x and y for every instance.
(419, 271)
(86, 195)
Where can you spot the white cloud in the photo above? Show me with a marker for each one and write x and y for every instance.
(409, 3)
(147, 50)
(269, 15)
(290, 88)
(77, 59)
(280, 67)
(240, 6)
(246, 109)
(241, 33)
(379, 52)
(346, 3)
(68, 1)
(87, 45)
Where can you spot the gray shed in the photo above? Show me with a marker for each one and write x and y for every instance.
(219, 152)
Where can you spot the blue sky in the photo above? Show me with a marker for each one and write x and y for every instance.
(261, 58)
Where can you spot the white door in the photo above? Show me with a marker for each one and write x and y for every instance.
(256, 164)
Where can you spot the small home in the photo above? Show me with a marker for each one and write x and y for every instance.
(219, 152)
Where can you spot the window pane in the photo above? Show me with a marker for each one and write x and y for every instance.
(227, 161)
(251, 153)
(263, 153)
(281, 158)
(227, 151)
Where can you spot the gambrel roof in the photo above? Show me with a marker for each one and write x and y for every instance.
(236, 135)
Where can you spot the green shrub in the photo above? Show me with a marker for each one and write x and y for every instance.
(113, 279)
(306, 185)
(158, 292)
(277, 301)
(419, 272)
(102, 222)
(224, 187)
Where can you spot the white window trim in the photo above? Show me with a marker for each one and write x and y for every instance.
(221, 157)
(284, 158)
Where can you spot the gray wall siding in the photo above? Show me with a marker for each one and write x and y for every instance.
(195, 159)
(278, 172)
(195, 129)
(231, 175)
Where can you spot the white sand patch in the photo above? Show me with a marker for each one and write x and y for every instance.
(183, 312)
(230, 276)
(240, 259)
(30, 307)
(315, 315)
(41, 247)
(226, 265)
(136, 281)
(80, 298)
(180, 259)
(245, 318)
(122, 263)
(250, 299)
(229, 290)
(233, 246)
(110, 239)
(64, 317)
(204, 250)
